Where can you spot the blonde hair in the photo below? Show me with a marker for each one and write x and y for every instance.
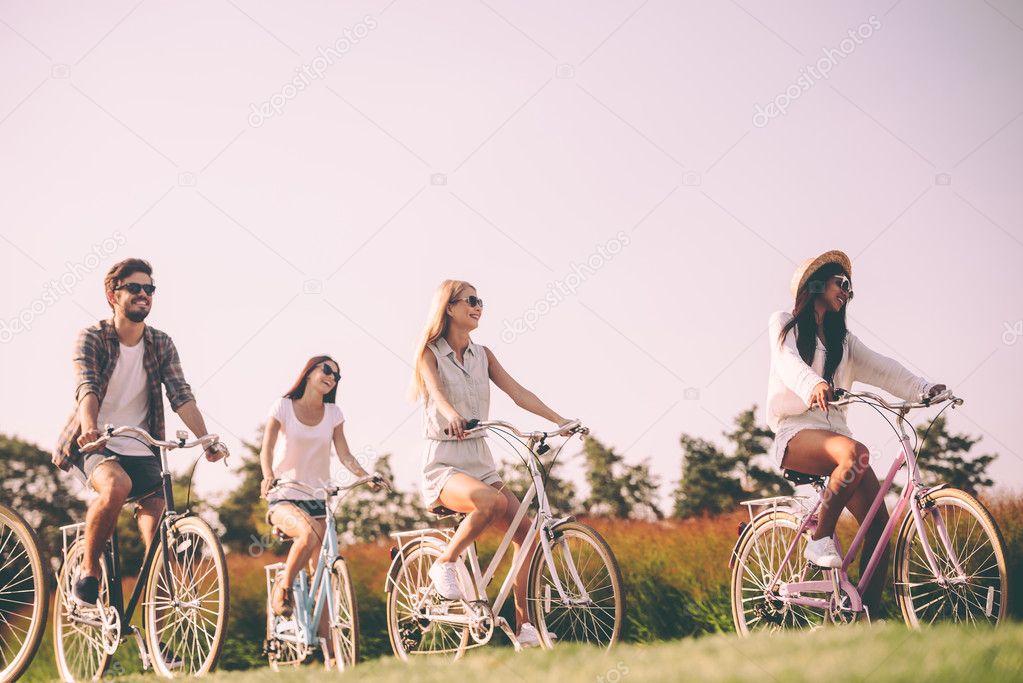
(436, 327)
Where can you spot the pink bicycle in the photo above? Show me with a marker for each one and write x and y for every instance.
(949, 557)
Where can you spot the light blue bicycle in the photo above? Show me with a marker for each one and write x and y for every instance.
(290, 640)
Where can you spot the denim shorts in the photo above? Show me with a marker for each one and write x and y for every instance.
(143, 470)
(317, 509)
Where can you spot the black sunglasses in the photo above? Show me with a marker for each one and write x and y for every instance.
(473, 301)
(329, 372)
(134, 288)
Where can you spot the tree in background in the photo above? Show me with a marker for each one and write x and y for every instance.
(617, 489)
(709, 483)
(944, 458)
(714, 482)
(751, 441)
(35, 488)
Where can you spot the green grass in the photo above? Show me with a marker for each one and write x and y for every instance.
(887, 652)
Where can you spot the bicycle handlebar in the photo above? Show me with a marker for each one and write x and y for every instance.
(844, 397)
(569, 428)
(333, 489)
(109, 431)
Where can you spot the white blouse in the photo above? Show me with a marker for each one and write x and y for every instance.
(791, 380)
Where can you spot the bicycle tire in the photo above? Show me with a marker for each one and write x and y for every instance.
(24, 537)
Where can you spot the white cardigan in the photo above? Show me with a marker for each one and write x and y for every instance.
(791, 380)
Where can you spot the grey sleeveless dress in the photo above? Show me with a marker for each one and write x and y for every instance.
(466, 386)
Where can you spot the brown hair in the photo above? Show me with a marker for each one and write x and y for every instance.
(124, 269)
(297, 390)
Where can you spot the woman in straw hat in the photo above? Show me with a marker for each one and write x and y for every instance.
(813, 353)
(452, 375)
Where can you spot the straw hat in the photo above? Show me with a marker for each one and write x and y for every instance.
(810, 266)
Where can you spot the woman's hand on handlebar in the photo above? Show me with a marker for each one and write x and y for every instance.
(935, 390)
(820, 396)
(456, 426)
(380, 482)
(267, 484)
(562, 431)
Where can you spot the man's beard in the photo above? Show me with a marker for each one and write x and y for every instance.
(136, 316)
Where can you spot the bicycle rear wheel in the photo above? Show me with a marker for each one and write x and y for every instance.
(23, 595)
(81, 649)
(345, 633)
(411, 599)
(959, 531)
(593, 608)
(756, 605)
(186, 612)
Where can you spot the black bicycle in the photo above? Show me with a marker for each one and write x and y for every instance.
(182, 586)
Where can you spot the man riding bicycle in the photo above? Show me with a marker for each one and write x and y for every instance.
(120, 365)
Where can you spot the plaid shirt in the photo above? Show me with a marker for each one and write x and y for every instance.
(95, 356)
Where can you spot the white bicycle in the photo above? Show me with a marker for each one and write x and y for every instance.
(574, 587)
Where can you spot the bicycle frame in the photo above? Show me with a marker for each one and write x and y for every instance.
(311, 595)
(914, 489)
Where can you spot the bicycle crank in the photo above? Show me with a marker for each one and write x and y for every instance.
(481, 624)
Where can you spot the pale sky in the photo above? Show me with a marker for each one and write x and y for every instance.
(508, 143)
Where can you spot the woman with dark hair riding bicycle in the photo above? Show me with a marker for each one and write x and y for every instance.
(812, 354)
(309, 420)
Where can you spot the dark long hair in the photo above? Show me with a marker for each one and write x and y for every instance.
(805, 323)
(297, 390)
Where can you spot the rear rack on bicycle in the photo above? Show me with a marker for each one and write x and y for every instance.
(74, 531)
(797, 505)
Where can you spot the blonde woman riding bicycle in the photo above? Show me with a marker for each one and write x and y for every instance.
(452, 375)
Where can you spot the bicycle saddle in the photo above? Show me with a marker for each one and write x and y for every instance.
(441, 512)
(798, 478)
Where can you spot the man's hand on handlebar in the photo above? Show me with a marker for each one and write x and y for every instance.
(216, 451)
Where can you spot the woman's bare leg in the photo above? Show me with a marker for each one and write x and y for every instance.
(483, 504)
(844, 460)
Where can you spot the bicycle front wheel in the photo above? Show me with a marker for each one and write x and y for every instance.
(591, 606)
(23, 595)
(968, 549)
(344, 633)
(186, 611)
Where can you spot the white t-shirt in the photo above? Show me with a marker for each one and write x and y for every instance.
(127, 400)
(302, 452)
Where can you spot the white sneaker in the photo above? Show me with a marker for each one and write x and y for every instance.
(445, 580)
(528, 637)
(823, 553)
